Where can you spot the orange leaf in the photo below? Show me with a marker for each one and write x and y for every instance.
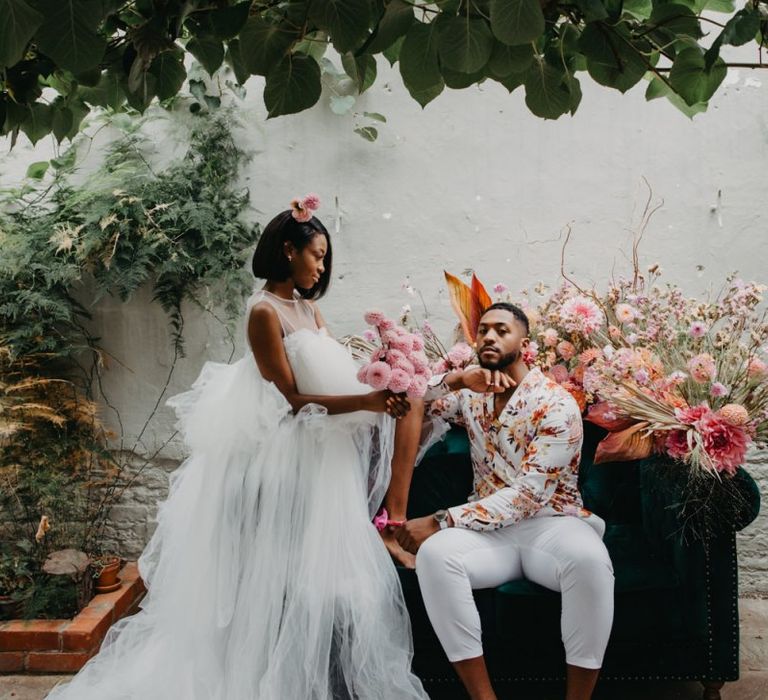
(625, 445)
(468, 303)
(461, 301)
(597, 415)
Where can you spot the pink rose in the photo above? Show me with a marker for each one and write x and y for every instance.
(374, 318)
(369, 335)
(387, 325)
(379, 375)
(565, 349)
(418, 343)
(362, 374)
(418, 387)
(399, 381)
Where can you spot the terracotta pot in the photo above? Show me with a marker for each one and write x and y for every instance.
(107, 579)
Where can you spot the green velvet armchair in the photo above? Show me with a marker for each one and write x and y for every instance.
(676, 597)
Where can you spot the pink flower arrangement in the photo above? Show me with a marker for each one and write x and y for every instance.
(399, 364)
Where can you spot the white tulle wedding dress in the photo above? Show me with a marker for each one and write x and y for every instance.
(267, 580)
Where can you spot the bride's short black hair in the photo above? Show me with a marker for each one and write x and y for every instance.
(269, 261)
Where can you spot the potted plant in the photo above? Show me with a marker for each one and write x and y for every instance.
(105, 568)
(15, 584)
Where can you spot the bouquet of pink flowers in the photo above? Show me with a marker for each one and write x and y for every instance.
(398, 361)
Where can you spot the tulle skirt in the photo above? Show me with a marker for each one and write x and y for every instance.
(266, 579)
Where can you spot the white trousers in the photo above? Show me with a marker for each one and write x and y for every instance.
(562, 553)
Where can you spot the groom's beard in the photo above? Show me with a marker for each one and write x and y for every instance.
(503, 362)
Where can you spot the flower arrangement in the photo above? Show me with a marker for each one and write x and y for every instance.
(662, 372)
(398, 361)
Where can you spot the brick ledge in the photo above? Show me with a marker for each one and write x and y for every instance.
(63, 646)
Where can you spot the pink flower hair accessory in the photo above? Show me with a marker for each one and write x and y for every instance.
(303, 209)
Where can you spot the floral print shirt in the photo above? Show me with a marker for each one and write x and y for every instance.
(526, 461)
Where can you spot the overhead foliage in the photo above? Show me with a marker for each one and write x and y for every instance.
(113, 53)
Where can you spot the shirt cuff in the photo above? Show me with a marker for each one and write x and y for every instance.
(437, 388)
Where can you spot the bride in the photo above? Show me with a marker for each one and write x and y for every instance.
(266, 578)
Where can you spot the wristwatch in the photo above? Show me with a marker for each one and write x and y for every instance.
(441, 516)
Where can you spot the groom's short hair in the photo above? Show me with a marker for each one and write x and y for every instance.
(516, 311)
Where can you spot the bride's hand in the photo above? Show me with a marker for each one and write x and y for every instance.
(395, 405)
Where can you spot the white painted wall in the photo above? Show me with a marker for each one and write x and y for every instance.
(476, 181)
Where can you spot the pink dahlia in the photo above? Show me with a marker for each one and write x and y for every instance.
(379, 375)
(726, 444)
(459, 355)
(362, 374)
(406, 366)
(399, 381)
(369, 335)
(581, 314)
(418, 387)
(419, 361)
(374, 318)
(418, 343)
(702, 367)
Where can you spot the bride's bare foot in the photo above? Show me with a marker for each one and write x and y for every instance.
(396, 551)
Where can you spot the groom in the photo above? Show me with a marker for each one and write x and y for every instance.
(525, 516)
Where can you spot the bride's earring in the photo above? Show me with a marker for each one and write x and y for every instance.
(290, 258)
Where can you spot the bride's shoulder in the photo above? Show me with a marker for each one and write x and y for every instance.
(263, 314)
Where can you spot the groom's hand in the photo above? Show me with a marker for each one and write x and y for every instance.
(412, 533)
(483, 381)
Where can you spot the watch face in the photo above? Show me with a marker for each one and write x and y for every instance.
(441, 515)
